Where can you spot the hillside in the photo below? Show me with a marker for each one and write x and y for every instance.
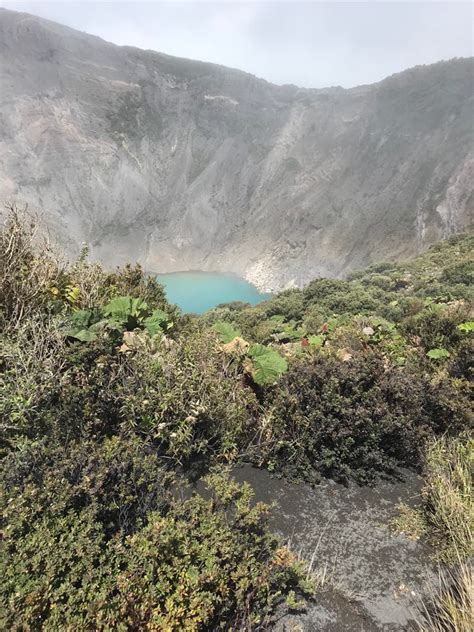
(112, 404)
(186, 165)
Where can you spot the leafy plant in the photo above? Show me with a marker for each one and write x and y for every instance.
(287, 331)
(157, 322)
(316, 341)
(72, 294)
(226, 331)
(126, 311)
(268, 364)
(466, 327)
(85, 325)
(438, 354)
(123, 313)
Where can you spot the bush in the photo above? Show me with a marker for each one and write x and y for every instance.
(340, 297)
(289, 304)
(436, 326)
(462, 273)
(28, 268)
(193, 401)
(356, 418)
(206, 564)
(70, 393)
(119, 481)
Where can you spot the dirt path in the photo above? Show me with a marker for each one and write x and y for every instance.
(375, 578)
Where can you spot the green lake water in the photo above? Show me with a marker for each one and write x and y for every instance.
(196, 292)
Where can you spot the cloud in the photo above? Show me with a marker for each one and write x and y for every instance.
(313, 44)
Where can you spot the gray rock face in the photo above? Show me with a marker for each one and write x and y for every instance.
(187, 165)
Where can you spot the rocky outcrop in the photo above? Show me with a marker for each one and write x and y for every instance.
(187, 165)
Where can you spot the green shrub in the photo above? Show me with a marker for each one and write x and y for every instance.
(119, 481)
(314, 318)
(341, 297)
(462, 272)
(437, 326)
(289, 304)
(204, 564)
(191, 399)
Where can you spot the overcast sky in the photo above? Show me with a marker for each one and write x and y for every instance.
(311, 44)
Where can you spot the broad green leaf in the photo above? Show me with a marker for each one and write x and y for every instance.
(138, 308)
(293, 333)
(122, 308)
(158, 322)
(467, 326)
(103, 324)
(268, 364)
(316, 341)
(81, 318)
(438, 354)
(81, 328)
(84, 335)
(225, 330)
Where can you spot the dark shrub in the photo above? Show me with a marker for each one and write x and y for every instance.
(85, 402)
(357, 418)
(462, 272)
(462, 365)
(119, 481)
(289, 304)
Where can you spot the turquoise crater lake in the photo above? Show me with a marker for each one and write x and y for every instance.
(196, 292)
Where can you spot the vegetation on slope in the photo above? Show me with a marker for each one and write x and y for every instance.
(378, 365)
(106, 395)
(110, 399)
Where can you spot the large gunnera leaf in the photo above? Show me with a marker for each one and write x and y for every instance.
(226, 332)
(268, 364)
(157, 322)
(81, 321)
(126, 310)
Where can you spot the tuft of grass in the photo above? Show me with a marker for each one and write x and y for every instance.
(29, 267)
(451, 607)
(410, 522)
(448, 496)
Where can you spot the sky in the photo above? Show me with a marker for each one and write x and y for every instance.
(310, 44)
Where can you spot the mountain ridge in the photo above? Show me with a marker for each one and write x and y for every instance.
(189, 165)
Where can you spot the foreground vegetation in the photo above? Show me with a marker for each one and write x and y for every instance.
(111, 401)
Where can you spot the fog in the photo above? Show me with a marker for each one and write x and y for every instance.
(311, 44)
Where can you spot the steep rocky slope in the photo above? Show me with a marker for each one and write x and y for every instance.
(188, 165)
